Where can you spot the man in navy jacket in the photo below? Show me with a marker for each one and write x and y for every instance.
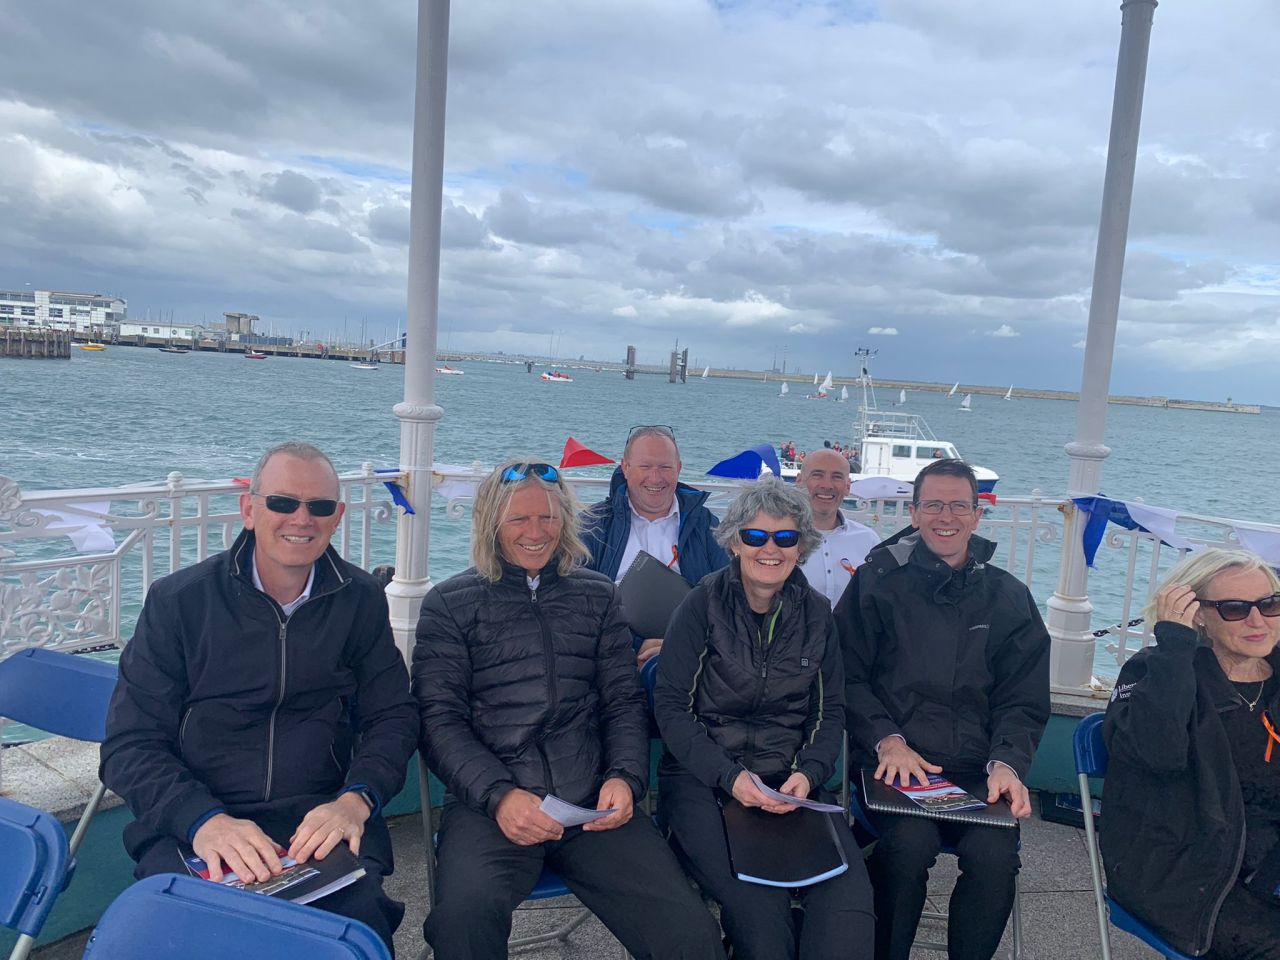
(262, 704)
(649, 509)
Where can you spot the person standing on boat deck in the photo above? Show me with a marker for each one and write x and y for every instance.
(1191, 835)
(527, 687)
(845, 544)
(750, 682)
(947, 671)
(649, 509)
(233, 727)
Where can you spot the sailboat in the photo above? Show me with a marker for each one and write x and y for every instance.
(825, 385)
(784, 391)
(815, 379)
(952, 391)
(964, 404)
(705, 371)
(844, 394)
(1009, 395)
(902, 397)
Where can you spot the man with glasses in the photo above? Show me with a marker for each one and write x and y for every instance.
(233, 731)
(947, 672)
(649, 509)
(824, 477)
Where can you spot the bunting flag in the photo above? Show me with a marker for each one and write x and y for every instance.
(1265, 543)
(578, 455)
(1158, 521)
(746, 465)
(84, 524)
(398, 495)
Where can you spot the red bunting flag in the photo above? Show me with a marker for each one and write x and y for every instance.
(577, 455)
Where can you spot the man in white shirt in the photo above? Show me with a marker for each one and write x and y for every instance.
(824, 476)
(649, 509)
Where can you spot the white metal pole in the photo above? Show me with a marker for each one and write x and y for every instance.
(418, 412)
(1069, 609)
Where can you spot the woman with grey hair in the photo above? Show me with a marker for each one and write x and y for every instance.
(1191, 836)
(750, 684)
(527, 687)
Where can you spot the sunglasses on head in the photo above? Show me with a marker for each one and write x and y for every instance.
(522, 471)
(758, 538)
(278, 503)
(1239, 609)
(657, 427)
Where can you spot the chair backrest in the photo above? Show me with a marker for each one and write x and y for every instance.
(649, 677)
(1089, 747)
(34, 867)
(172, 917)
(57, 692)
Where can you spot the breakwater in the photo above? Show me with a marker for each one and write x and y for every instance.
(21, 343)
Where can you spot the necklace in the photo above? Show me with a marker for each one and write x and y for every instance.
(1249, 703)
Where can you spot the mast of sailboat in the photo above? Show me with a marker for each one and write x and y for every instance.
(864, 356)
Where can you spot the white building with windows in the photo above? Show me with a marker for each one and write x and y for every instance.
(156, 328)
(89, 313)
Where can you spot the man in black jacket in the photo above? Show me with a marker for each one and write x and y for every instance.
(233, 728)
(946, 672)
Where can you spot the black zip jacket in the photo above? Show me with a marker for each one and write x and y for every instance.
(954, 661)
(223, 702)
(732, 695)
(1174, 821)
(530, 689)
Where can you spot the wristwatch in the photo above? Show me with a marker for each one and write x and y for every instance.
(365, 794)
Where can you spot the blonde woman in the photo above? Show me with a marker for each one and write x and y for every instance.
(1191, 836)
(527, 687)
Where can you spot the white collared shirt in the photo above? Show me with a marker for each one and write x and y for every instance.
(657, 537)
(292, 605)
(830, 567)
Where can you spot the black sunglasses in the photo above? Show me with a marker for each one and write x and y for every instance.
(758, 538)
(658, 427)
(1239, 609)
(522, 471)
(278, 503)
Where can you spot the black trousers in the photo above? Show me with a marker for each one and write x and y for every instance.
(838, 922)
(627, 877)
(363, 900)
(1248, 927)
(980, 903)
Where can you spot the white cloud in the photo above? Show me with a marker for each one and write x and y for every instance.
(1004, 330)
(883, 331)
(627, 311)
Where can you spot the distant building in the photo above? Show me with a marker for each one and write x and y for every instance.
(239, 325)
(91, 313)
(166, 329)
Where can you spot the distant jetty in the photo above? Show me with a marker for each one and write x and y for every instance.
(41, 344)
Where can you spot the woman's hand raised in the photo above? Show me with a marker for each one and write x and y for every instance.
(1177, 602)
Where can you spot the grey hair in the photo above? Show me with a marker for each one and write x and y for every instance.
(778, 499)
(1198, 569)
(291, 448)
(489, 509)
(654, 431)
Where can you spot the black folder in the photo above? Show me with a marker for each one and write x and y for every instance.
(650, 593)
(795, 849)
(879, 796)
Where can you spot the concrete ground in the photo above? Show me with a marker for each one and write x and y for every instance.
(1057, 905)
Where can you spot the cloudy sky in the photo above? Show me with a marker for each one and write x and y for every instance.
(757, 178)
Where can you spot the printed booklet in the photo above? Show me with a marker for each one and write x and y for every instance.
(300, 882)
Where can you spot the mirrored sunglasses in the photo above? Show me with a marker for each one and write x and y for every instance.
(758, 538)
(522, 471)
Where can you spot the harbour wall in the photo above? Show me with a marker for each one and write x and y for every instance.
(40, 344)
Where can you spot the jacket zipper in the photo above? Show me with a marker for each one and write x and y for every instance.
(1226, 889)
(271, 724)
(182, 729)
(549, 658)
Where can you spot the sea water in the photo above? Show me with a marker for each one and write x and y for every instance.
(131, 415)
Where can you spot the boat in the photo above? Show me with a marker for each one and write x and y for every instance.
(815, 379)
(966, 402)
(365, 365)
(555, 376)
(784, 391)
(844, 394)
(902, 397)
(705, 371)
(173, 349)
(822, 389)
(448, 370)
(952, 391)
(254, 355)
(91, 345)
(1009, 395)
(896, 445)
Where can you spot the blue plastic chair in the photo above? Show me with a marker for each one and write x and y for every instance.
(63, 694)
(1091, 761)
(857, 813)
(172, 917)
(34, 869)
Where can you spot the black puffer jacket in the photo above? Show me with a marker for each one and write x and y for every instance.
(1174, 826)
(535, 689)
(733, 695)
(954, 661)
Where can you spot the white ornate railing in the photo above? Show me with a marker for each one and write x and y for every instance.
(52, 596)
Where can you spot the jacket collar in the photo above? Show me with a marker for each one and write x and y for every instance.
(687, 497)
(518, 577)
(330, 572)
(790, 591)
(907, 546)
(1219, 687)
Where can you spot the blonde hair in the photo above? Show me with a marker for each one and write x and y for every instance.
(492, 501)
(1198, 569)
